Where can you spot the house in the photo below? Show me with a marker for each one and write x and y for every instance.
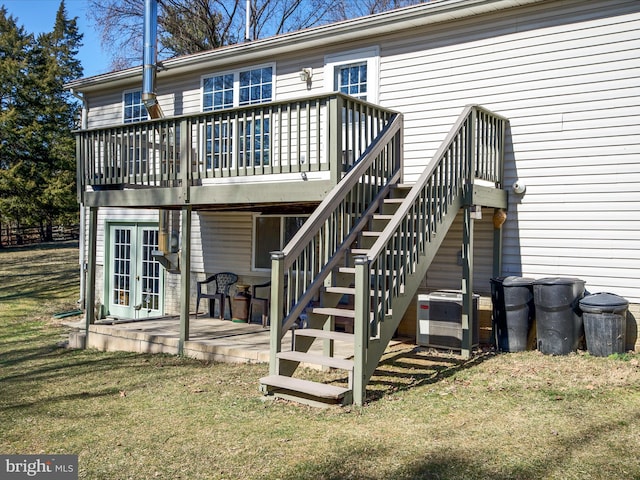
(388, 136)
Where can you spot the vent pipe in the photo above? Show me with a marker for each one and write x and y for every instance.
(167, 239)
(150, 58)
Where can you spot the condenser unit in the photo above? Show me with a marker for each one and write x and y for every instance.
(440, 320)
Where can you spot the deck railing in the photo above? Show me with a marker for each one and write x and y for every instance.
(319, 133)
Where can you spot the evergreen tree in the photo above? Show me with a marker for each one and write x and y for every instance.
(56, 63)
(15, 48)
(37, 118)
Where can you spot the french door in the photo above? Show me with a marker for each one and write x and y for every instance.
(135, 278)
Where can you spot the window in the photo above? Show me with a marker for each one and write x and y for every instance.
(256, 145)
(352, 79)
(271, 233)
(217, 92)
(133, 108)
(255, 86)
(354, 73)
(252, 140)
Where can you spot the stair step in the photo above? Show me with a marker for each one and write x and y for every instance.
(382, 216)
(315, 389)
(395, 200)
(329, 334)
(342, 290)
(338, 312)
(370, 233)
(345, 290)
(352, 270)
(303, 357)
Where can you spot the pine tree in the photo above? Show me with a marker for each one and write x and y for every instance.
(55, 64)
(15, 49)
(37, 118)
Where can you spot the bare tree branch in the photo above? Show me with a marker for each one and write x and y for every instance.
(189, 26)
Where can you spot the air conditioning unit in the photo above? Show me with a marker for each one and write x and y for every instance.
(440, 320)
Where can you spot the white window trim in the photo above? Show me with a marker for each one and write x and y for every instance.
(133, 90)
(371, 55)
(236, 82)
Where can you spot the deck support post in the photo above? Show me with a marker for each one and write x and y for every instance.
(185, 277)
(467, 283)
(361, 328)
(90, 285)
(277, 307)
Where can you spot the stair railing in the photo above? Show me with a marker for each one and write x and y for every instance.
(474, 148)
(304, 265)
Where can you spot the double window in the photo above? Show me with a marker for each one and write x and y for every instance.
(252, 139)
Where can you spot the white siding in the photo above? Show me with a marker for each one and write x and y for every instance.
(572, 94)
(566, 74)
(446, 273)
(222, 242)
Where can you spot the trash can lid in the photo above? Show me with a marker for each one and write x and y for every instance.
(558, 281)
(604, 301)
(517, 281)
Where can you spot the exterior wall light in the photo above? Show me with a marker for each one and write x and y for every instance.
(305, 75)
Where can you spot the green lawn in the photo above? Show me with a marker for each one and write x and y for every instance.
(430, 416)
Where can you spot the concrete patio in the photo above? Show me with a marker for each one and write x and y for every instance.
(209, 338)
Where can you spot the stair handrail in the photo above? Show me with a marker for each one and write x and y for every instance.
(379, 167)
(473, 148)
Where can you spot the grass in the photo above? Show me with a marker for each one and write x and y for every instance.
(429, 416)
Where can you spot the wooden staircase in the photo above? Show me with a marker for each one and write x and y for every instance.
(358, 261)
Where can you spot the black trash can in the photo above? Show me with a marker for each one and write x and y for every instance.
(558, 318)
(605, 323)
(513, 312)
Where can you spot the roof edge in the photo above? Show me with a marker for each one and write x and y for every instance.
(373, 25)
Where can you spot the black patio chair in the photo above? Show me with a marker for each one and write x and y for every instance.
(260, 297)
(218, 291)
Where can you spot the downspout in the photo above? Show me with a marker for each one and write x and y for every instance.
(166, 253)
(84, 124)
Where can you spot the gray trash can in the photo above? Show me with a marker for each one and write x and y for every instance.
(605, 323)
(559, 324)
(513, 312)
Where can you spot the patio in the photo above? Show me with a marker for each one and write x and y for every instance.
(210, 339)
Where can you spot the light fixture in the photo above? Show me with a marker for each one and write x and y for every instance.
(306, 74)
(519, 187)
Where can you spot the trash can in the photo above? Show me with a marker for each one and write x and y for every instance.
(558, 317)
(605, 323)
(513, 312)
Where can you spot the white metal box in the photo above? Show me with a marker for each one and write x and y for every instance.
(440, 320)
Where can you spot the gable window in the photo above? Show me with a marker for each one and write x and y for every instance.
(249, 137)
(272, 233)
(133, 108)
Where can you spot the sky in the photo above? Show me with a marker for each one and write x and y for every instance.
(38, 16)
